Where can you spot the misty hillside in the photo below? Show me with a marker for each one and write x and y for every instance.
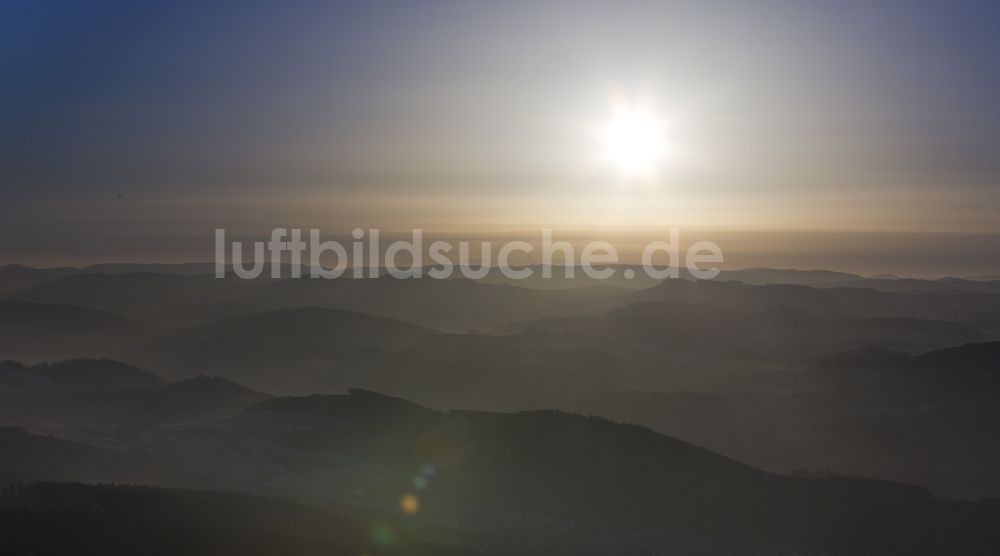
(300, 348)
(761, 276)
(15, 279)
(867, 411)
(983, 359)
(106, 402)
(687, 326)
(828, 379)
(326, 350)
(911, 285)
(840, 302)
(30, 457)
(176, 299)
(36, 332)
(141, 296)
(464, 305)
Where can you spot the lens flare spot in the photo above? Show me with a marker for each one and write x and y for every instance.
(383, 536)
(409, 503)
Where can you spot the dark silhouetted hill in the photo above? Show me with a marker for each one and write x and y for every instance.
(58, 518)
(926, 419)
(982, 358)
(587, 470)
(30, 457)
(76, 374)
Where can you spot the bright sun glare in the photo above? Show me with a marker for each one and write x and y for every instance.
(634, 142)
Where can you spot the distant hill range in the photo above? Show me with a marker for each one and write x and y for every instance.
(324, 350)
(17, 279)
(460, 305)
(891, 381)
(438, 340)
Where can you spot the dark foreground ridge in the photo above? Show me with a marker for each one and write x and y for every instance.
(72, 518)
(591, 470)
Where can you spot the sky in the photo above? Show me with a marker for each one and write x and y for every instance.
(853, 135)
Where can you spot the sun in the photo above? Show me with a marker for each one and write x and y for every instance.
(634, 142)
